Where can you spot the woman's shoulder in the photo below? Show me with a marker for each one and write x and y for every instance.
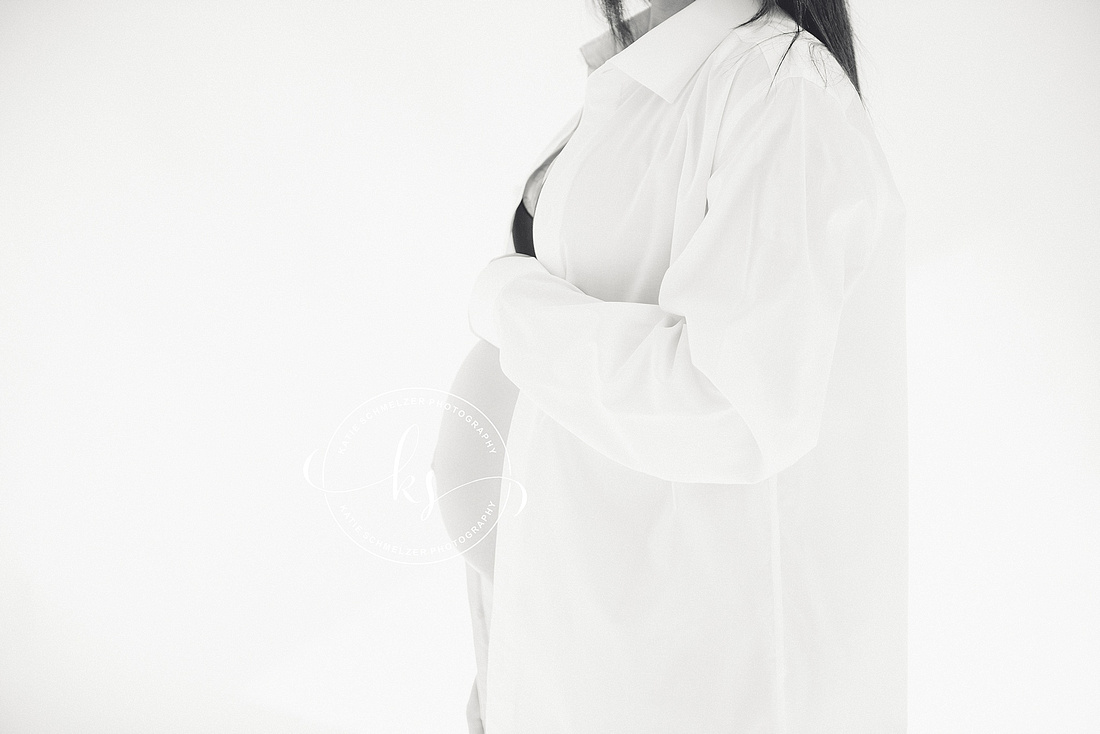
(771, 50)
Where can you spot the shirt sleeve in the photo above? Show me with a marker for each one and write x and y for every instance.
(724, 379)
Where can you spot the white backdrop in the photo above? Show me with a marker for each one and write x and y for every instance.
(223, 225)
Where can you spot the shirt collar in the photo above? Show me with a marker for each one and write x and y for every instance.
(665, 57)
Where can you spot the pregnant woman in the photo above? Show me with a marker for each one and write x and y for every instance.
(696, 352)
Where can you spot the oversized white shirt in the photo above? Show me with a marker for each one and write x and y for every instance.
(711, 421)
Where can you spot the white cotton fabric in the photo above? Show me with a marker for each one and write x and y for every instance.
(711, 422)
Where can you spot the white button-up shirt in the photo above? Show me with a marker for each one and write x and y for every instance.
(711, 422)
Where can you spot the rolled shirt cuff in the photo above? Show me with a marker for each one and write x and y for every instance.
(484, 311)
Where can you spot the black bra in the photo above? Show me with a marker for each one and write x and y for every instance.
(522, 238)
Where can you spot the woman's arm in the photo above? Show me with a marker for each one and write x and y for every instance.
(723, 380)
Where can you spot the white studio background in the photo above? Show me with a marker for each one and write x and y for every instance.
(224, 225)
(990, 114)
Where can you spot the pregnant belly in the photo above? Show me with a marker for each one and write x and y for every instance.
(457, 460)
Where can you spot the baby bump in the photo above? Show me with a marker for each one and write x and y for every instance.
(459, 458)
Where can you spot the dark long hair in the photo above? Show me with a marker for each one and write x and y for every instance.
(827, 20)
